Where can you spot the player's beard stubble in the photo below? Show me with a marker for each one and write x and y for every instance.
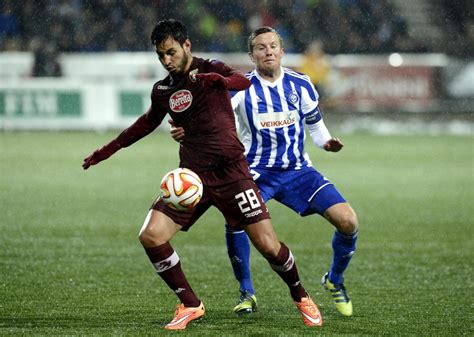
(180, 68)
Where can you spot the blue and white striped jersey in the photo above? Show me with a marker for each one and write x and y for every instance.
(270, 119)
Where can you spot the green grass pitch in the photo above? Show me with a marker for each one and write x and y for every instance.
(71, 264)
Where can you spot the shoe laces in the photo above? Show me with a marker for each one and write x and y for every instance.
(179, 309)
(308, 304)
(340, 288)
(245, 295)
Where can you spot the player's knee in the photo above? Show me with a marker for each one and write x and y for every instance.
(147, 239)
(269, 252)
(144, 238)
(348, 223)
(268, 248)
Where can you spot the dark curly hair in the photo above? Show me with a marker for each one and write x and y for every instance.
(169, 28)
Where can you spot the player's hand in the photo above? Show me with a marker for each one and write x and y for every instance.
(177, 133)
(213, 80)
(333, 145)
(101, 154)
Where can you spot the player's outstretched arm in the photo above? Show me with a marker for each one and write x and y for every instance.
(101, 154)
(143, 126)
(236, 81)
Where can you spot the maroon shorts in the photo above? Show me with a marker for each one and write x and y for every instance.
(232, 190)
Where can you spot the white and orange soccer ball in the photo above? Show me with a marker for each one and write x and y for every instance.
(181, 189)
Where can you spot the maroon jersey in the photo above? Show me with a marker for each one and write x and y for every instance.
(205, 113)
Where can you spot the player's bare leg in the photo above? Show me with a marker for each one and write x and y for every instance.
(343, 217)
(158, 229)
(283, 263)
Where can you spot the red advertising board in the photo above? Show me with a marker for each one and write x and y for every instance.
(384, 86)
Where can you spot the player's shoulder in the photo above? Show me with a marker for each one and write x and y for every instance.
(162, 85)
(252, 74)
(296, 75)
(209, 64)
(249, 75)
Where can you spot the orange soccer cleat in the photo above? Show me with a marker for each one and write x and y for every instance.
(310, 312)
(183, 316)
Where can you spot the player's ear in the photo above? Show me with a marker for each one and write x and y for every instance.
(187, 45)
(251, 57)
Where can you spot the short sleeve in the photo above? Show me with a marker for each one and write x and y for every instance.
(236, 98)
(310, 104)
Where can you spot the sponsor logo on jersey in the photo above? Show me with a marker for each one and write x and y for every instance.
(277, 119)
(180, 100)
(162, 87)
(254, 213)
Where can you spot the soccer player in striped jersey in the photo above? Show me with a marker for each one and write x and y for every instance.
(272, 114)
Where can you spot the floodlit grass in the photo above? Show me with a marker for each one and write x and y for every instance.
(71, 264)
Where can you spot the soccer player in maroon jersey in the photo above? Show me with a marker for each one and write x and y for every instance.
(195, 94)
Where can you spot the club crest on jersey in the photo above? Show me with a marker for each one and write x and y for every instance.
(293, 97)
(180, 100)
(192, 75)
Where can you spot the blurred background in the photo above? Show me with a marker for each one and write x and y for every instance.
(393, 65)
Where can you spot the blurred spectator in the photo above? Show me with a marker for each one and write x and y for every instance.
(46, 62)
(316, 65)
(460, 14)
(8, 27)
(8, 20)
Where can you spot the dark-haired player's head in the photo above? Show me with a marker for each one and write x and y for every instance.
(266, 50)
(170, 38)
(169, 29)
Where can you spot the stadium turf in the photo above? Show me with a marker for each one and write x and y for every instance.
(71, 264)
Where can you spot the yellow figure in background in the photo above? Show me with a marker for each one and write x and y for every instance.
(316, 65)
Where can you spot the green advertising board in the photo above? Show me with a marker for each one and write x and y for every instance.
(134, 102)
(39, 103)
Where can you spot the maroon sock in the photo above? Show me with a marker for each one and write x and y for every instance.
(284, 265)
(167, 265)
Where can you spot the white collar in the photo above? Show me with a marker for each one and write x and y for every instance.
(268, 83)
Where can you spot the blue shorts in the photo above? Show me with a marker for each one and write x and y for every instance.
(305, 191)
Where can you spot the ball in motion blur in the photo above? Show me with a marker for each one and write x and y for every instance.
(181, 189)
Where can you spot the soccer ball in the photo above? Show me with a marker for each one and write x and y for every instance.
(181, 189)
